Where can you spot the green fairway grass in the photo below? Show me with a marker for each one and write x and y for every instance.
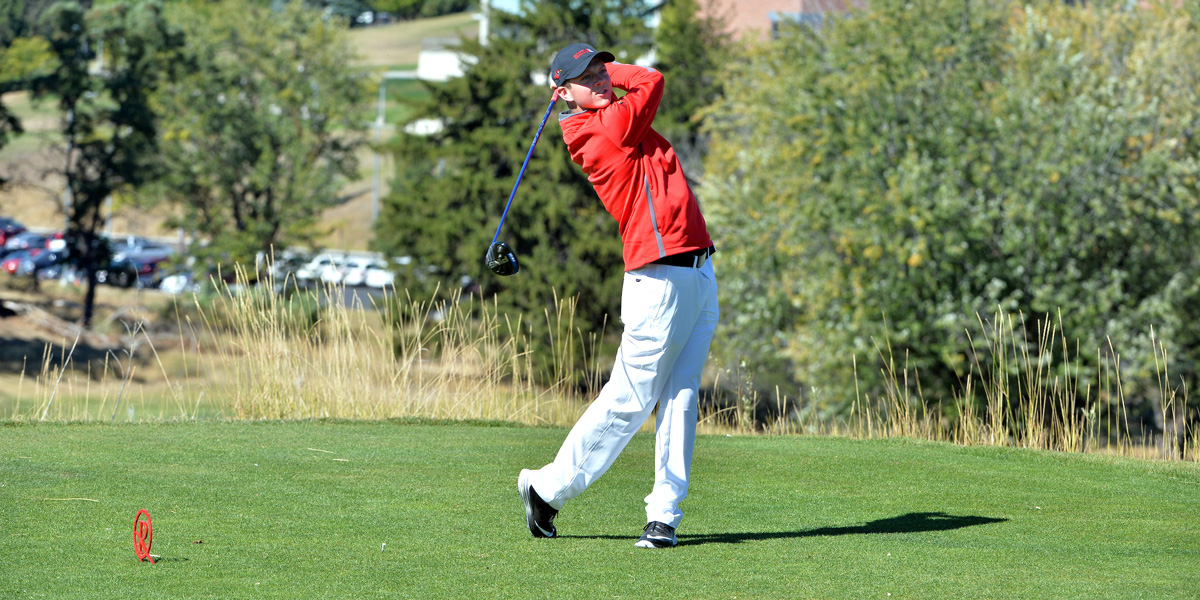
(430, 510)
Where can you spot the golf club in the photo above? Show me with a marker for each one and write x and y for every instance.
(500, 258)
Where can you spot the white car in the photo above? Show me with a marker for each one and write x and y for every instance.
(356, 270)
(327, 268)
(379, 275)
(179, 283)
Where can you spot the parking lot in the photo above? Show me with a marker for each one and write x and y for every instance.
(158, 265)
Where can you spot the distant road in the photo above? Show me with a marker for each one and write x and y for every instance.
(362, 297)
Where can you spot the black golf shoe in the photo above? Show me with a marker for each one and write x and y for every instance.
(657, 535)
(538, 514)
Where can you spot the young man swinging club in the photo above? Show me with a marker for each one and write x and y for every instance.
(668, 299)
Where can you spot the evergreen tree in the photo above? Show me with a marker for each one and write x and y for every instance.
(451, 187)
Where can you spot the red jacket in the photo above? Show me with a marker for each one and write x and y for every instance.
(635, 170)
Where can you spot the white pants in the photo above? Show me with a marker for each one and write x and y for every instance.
(670, 314)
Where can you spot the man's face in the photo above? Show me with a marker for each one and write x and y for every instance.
(590, 90)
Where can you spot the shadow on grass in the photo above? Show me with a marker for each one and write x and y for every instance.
(168, 559)
(908, 523)
(31, 356)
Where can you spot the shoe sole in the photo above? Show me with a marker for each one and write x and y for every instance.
(524, 489)
(655, 544)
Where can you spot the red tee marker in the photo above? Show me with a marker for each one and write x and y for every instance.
(143, 533)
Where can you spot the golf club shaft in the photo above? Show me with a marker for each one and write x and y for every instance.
(553, 98)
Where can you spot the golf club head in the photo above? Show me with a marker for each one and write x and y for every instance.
(502, 260)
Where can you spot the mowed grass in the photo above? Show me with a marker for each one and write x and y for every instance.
(429, 510)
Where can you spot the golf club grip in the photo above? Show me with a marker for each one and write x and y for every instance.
(528, 155)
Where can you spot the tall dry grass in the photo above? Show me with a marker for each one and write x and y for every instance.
(459, 360)
(1025, 394)
(62, 386)
(305, 355)
(267, 355)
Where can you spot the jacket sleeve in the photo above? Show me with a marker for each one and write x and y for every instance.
(628, 120)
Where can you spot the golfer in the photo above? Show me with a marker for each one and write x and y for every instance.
(668, 302)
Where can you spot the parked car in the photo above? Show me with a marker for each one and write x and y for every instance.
(119, 272)
(8, 228)
(24, 241)
(279, 265)
(380, 276)
(150, 269)
(133, 246)
(32, 266)
(13, 260)
(328, 268)
(142, 272)
(193, 278)
(357, 268)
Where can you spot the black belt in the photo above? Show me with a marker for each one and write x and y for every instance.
(694, 259)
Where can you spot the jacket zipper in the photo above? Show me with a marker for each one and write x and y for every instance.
(653, 218)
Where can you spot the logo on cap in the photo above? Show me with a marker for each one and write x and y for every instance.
(582, 52)
(557, 73)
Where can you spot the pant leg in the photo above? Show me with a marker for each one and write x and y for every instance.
(659, 312)
(678, 412)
